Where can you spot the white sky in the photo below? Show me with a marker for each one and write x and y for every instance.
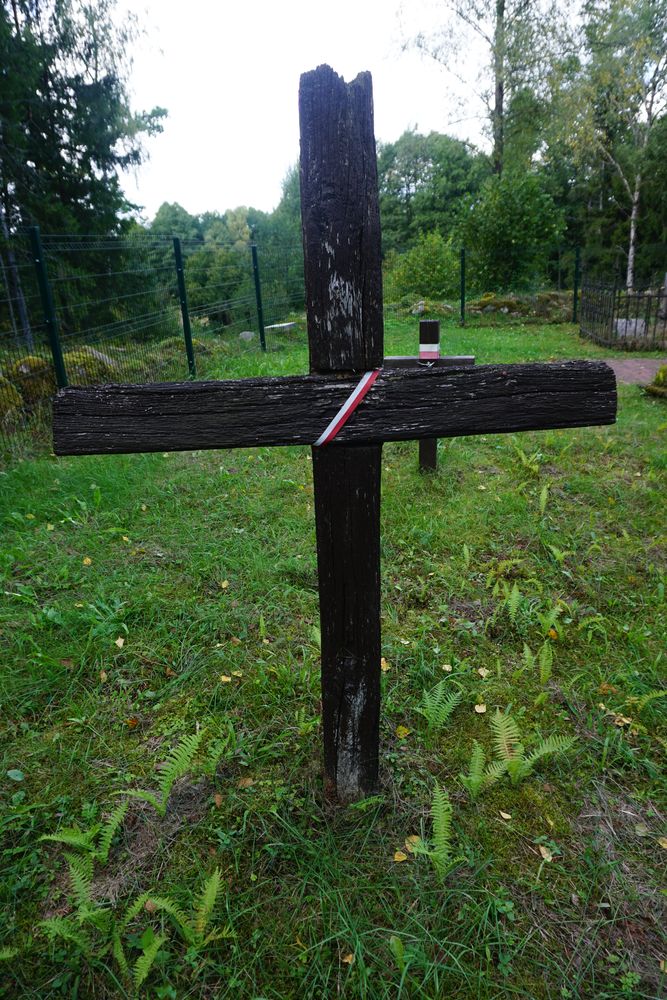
(228, 73)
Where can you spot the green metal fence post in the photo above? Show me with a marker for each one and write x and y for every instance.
(463, 286)
(48, 306)
(183, 299)
(258, 295)
(577, 276)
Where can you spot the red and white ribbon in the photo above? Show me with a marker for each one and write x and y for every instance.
(429, 352)
(348, 408)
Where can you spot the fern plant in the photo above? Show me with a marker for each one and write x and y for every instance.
(96, 841)
(437, 706)
(440, 851)
(88, 927)
(177, 764)
(476, 778)
(511, 757)
(193, 927)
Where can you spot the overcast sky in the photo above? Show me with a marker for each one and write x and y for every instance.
(228, 73)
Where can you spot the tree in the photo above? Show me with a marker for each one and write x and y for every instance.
(615, 101)
(519, 39)
(511, 228)
(422, 180)
(66, 127)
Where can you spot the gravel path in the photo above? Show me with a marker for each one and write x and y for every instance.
(636, 371)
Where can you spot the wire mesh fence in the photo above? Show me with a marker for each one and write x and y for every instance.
(88, 309)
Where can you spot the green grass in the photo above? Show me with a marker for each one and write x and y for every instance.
(204, 566)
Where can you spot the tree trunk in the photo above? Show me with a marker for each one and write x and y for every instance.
(632, 247)
(498, 115)
(14, 287)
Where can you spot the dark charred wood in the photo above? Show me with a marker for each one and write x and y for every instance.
(341, 222)
(403, 405)
(347, 519)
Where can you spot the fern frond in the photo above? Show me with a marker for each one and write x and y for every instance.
(437, 705)
(513, 603)
(528, 657)
(139, 793)
(552, 745)
(108, 832)
(72, 836)
(133, 910)
(495, 770)
(7, 953)
(648, 698)
(474, 780)
(81, 877)
(218, 934)
(506, 737)
(118, 953)
(180, 918)
(441, 817)
(206, 903)
(61, 927)
(144, 963)
(178, 762)
(546, 659)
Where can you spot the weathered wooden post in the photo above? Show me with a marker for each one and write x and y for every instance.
(341, 242)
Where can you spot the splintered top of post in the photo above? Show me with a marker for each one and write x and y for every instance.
(341, 222)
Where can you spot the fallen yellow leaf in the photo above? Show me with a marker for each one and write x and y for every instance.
(87, 561)
(132, 722)
(30, 517)
(663, 842)
(402, 732)
(546, 853)
(480, 709)
(150, 906)
(168, 672)
(237, 673)
(447, 667)
(384, 666)
(78, 604)
(400, 856)
(235, 640)
(217, 798)
(552, 633)
(411, 842)
(505, 815)
(125, 538)
(103, 676)
(224, 585)
(483, 672)
(144, 507)
(348, 959)
(50, 527)
(245, 782)
(225, 679)
(120, 642)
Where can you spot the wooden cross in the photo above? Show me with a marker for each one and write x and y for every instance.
(341, 236)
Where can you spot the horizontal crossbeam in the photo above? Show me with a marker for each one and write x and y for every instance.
(403, 405)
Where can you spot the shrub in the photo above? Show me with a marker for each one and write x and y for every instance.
(34, 378)
(658, 386)
(10, 400)
(430, 269)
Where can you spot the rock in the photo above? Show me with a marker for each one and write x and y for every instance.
(630, 327)
(489, 309)
(419, 308)
(447, 308)
(246, 335)
(504, 310)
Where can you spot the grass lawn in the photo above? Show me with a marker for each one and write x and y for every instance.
(151, 598)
